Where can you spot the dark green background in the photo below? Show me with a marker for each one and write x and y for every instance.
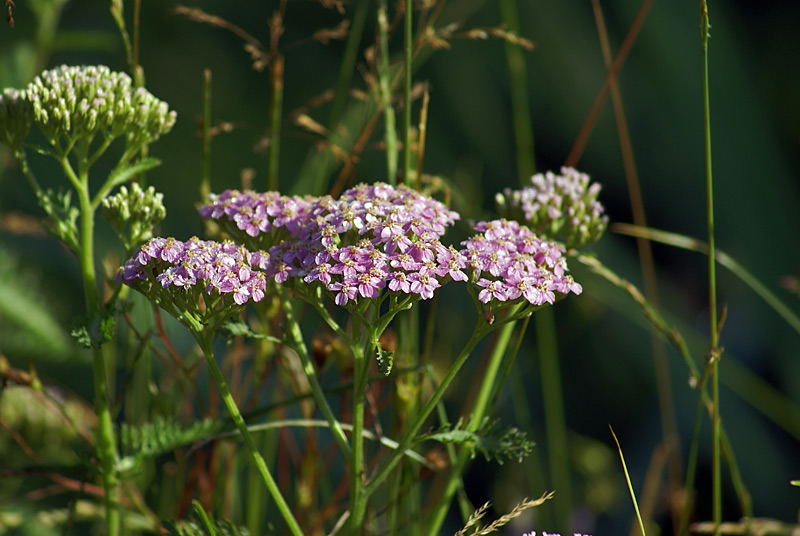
(605, 350)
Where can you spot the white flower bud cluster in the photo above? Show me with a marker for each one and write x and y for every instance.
(77, 102)
(16, 116)
(136, 210)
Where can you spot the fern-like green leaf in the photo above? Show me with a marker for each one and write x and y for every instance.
(160, 437)
(193, 527)
(385, 361)
(490, 440)
(236, 328)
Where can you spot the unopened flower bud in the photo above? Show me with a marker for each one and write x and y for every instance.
(134, 213)
(76, 102)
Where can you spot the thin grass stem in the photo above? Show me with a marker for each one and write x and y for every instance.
(464, 506)
(408, 49)
(423, 129)
(692, 244)
(342, 85)
(518, 78)
(409, 438)
(384, 75)
(555, 423)
(205, 339)
(628, 480)
(619, 60)
(205, 137)
(311, 375)
(276, 113)
(712, 284)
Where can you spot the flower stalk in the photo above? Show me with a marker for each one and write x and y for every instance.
(205, 339)
(479, 410)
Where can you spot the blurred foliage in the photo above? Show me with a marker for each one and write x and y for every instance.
(603, 342)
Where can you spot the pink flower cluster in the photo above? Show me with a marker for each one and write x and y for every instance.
(558, 207)
(259, 213)
(221, 269)
(510, 262)
(371, 238)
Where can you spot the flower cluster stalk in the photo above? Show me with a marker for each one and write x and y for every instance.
(387, 465)
(479, 410)
(81, 111)
(205, 339)
(311, 375)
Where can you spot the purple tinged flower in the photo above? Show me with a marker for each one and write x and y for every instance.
(162, 266)
(240, 292)
(516, 264)
(281, 272)
(492, 290)
(423, 284)
(320, 273)
(171, 250)
(370, 238)
(399, 282)
(370, 283)
(345, 291)
(558, 207)
(257, 286)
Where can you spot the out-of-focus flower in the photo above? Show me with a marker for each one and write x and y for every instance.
(80, 102)
(558, 207)
(509, 263)
(16, 116)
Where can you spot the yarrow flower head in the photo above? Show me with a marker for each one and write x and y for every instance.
(262, 219)
(198, 280)
(371, 238)
(16, 116)
(76, 102)
(558, 207)
(509, 263)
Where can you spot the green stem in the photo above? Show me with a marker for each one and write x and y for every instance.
(205, 340)
(523, 130)
(465, 508)
(691, 467)
(106, 439)
(712, 290)
(205, 177)
(311, 375)
(409, 48)
(554, 414)
(276, 109)
(479, 410)
(386, 467)
(384, 73)
(361, 354)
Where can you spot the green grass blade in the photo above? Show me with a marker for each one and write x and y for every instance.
(628, 480)
(693, 244)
